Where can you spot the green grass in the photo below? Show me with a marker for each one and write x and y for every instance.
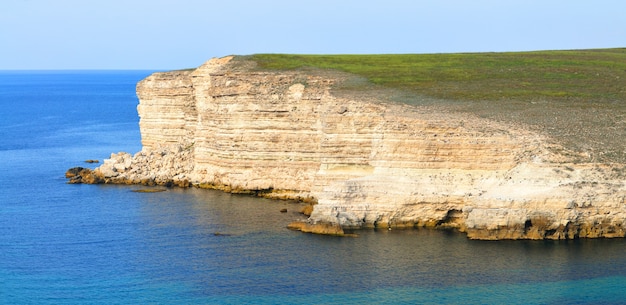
(578, 97)
(567, 75)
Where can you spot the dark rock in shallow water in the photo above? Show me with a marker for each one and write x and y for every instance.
(73, 172)
(79, 174)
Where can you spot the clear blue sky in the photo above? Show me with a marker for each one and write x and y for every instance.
(173, 34)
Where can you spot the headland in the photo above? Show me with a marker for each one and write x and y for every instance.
(367, 154)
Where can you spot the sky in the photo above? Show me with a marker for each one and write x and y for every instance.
(178, 34)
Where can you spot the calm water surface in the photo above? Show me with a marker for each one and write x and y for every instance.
(87, 244)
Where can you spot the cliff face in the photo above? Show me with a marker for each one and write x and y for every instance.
(366, 163)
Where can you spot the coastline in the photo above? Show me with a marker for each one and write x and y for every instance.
(363, 162)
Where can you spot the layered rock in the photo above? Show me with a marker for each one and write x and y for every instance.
(364, 162)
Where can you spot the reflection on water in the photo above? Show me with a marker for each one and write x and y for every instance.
(107, 243)
(256, 256)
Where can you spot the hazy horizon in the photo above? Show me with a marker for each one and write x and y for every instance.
(167, 35)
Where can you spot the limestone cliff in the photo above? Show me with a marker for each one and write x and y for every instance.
(364, 162)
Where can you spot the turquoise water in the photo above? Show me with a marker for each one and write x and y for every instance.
(103, 244)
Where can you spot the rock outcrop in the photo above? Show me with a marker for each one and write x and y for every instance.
(364, 162)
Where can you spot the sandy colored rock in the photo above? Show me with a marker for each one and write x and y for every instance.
(307, 210)
(317, 228)
(364, 162)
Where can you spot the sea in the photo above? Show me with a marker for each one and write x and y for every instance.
(107, 244)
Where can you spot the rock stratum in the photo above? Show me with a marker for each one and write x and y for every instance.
(362, 162)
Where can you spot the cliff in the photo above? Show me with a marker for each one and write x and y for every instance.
(364, 162)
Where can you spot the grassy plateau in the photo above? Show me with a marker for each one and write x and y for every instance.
(577, 97)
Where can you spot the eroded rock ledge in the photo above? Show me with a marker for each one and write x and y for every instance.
(364, 162)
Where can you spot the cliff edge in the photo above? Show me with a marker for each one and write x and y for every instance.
(364, 162)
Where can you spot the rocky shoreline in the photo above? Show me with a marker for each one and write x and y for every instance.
(123, 168)
(362, 162)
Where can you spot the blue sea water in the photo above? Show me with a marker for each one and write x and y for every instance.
(104, 244)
